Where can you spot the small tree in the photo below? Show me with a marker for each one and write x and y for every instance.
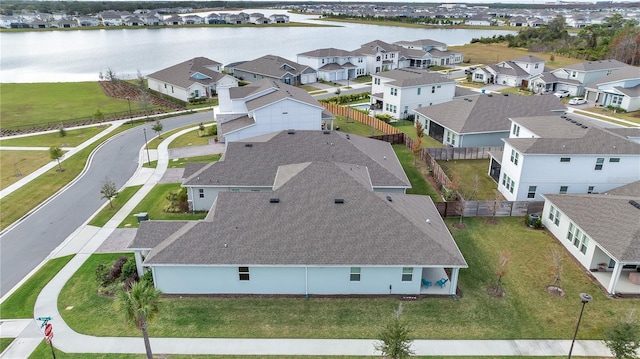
(503, 262)
(419, 129)
(623, 339)
(416, 148)
(556, 266)
(395, 338)
(141, 304)
(110, 75)
(108, 191)
(157, 128)
(56, 154)
(62, 132)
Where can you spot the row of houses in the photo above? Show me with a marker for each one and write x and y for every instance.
(150, 18)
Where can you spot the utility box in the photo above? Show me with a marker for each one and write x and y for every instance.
(143, 216)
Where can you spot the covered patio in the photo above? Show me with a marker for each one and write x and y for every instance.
(433, 275)
(624, 284)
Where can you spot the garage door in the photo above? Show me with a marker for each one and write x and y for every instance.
(308, 78)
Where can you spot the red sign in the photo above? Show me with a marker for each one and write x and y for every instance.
(48, 330)
(49, 338)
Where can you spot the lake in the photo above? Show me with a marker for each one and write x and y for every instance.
(80, 55)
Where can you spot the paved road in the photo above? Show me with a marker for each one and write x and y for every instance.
(30, 242)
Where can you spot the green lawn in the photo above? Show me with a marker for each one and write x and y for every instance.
(192, 138)
(353, 126)
(182, 162)
(107, 212)
(408, 128)
(18, 203)
(20, 304)
(466, 170)
(17, 164)
(154, 204)
(415, 170)
(526, 312)
(4, 343)
(41, 103)
(72, 139)
(153, 143)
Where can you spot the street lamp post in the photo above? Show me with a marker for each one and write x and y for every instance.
(130, 116)
(586, 298)
(146, 145)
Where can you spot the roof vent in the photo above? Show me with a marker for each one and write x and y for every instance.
(274, 200)
(326, 132)
(563, 116)
(348, 138)
(573, 121)
(634, 203)
(489, 95)
(583, 126)
(505, 94)
(339, 200)
(291, 132)
(567, 119)
(389, 199)
(248, 145)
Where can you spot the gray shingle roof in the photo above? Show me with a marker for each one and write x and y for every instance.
(257, 165)
(570, 136)
(623, 73)
(152, 233)
(238, 123)
(629, 91)
(279, 92)
(413, 77)
(529, 59)
(630, 189)
(596, 65)
(511, 70)
(607, 219)
(420, 43)
(180, 74)
(307, 227)
(327, 52)
(272, 66)
(489, 113)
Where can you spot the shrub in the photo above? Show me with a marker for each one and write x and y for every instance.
(116, 269)
(129, 270)
(212, 130)
(384, 117)
(102, 276)
(527, 220)
(147, 277)
(62, 131)
(98, 115)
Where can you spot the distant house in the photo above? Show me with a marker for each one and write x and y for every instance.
(192, 20)
(133, 21)
(88, 21)
(268, 106)
(379, 56)
(399, 92)
(277, 68)
(111, 19)
(278, 19)
(334, 64)
(553, 154)
(478, 21)
(214, 19)
(618, 89)
(174, 20)
(482, 120)
(514, 73)
(601, 232)
(7, 21)
(65, 23)
(574, 78)
(38, 24)
(318, 228)
(197, 78)
(427, 52)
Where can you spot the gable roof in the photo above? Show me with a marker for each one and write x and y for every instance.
(370, 48)
(406, 77)
(529, 59)
(596, 65)
(618, 234)
(181, 74)
(257, 165)
(308, 227)
(489, 113)
(626, 72)
(327, 52)
(420, 43)
(270, 91)
(570, 135)
(512, 69)
(272, 66)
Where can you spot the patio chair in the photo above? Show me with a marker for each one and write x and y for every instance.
(442, 282)
(426, 283)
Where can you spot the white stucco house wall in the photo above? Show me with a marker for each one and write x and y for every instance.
(308, 236)
(196, 78)
(553, 154)
(398, 92)
(600, 232)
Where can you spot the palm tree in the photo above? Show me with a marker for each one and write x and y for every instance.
(140, 304)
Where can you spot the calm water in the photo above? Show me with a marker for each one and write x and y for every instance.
(69, 56)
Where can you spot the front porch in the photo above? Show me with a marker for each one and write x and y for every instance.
(433, 275)
(624, 285)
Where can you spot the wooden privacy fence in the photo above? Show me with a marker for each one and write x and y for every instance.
(360, 117)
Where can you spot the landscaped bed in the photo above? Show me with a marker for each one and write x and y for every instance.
(527, 311)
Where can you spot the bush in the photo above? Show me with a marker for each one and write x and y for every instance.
(212, 130)
(102, 276)
(384, 117)
(62, 131)
(129, 270)
(98, 115)
(116, 269)
(147, 277)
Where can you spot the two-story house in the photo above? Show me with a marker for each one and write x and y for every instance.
(380, 56)
(399, 92)
(334, 64)
(196, 78)
(563, 155)
(430, 53)
(573, 78)
(514, 73)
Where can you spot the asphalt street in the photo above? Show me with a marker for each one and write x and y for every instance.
(28, 243)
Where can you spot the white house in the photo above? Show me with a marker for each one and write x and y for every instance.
(320, 230)
(268, 106)
(601, 232)
(618, 89)
(277, 68)
(334, 64)
(573, 78)
(427, 52)
(553, 154)
(399, 92)
(514, 73)
(482, 120)
(197, 78)
(380, 56)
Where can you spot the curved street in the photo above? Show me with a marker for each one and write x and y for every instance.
(29, 242)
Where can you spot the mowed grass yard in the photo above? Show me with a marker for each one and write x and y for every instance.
(40, 103)
(526, 312)
(486, 54)
(466, 170)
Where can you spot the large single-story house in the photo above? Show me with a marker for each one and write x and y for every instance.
(602, 232)
(251, 164)
(618, 89)
(274, 67)
(268, 106)
(554, 154)
(573, 78)
(197, 78)
(514, 73)
(482, 120)
(321, 230)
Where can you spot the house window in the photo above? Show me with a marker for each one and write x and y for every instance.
(615, 160)
(419, 89)
(572, 230)
(478, 76)
(599, 163)
(360, 59)
(243, 273)
(171, 89)
(165, 85)
(378, 58)
(376, 81)
(354, 274)
(554, 216)
(532, 192)
(574, 74)
(576, 238)
(585, 243)
(565, 159)
(504, 179)
(394, 91)
(536, 66)
(616, 100)
(453, 139)
(516, 130)
(513, 185)
(386, 107)
(514, 157)
(407, 274)
(201, 192)
(590, 189)
(564, 189)
(433, 89)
